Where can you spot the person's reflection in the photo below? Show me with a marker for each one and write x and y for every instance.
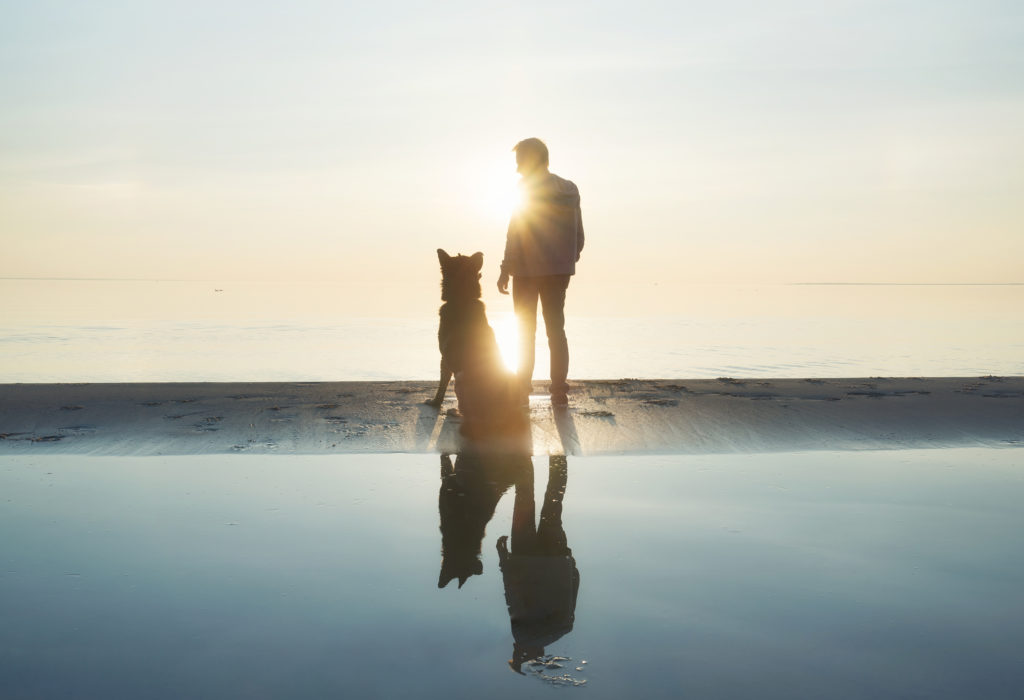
(540, 574)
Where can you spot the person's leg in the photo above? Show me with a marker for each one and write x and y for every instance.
(524, 301)
(524, 513)
(550, 533)
(552, 300)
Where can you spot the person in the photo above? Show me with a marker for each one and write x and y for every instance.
(543, 245)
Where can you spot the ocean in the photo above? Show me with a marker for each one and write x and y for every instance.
(148, 330)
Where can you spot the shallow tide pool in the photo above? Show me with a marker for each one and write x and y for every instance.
(817, 574)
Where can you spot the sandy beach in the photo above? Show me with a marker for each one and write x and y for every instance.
(604, 417)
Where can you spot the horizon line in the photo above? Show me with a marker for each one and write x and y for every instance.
(783, 284)
(905, 284)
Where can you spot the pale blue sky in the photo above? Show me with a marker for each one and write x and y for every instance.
(731, 141)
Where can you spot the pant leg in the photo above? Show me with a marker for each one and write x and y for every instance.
(524, 301)
(550, 533)
(552, 300)
(524, 513)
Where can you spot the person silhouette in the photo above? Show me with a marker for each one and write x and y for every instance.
(539, 572)
(542, 246)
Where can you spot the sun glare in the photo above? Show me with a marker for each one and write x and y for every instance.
(507, 334)
(496, 191)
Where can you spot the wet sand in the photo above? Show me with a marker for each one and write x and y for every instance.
(604, 417)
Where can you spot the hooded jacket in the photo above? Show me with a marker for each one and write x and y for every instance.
(545, 236)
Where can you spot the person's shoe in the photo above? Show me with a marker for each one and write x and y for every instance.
(559, 399)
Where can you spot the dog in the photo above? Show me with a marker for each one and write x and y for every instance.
(487, 393)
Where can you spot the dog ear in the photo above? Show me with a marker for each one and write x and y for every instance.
(478, 260)
(443, 257)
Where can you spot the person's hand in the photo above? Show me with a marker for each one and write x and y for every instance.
(503, 283)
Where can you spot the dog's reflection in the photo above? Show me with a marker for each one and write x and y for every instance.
(471, 487)
(539, 572)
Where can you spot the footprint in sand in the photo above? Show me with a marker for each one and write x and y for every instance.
(660, 402)
(77, 430)
(208, 425)
(869, 394)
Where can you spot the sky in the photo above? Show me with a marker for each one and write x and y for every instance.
(762, 142)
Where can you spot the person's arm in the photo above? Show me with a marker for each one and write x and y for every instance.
(506, 262)
(579, 233)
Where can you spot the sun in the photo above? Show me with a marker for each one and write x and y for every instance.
(502, 198)
(496, 191)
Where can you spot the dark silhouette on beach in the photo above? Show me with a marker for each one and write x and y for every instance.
(542, 246)
(489, 396)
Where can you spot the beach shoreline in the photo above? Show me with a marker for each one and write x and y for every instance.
(624, 416)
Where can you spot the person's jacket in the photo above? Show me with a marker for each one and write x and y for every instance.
(545, 236)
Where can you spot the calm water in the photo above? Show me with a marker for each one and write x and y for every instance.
(95, 331)
(839, 575)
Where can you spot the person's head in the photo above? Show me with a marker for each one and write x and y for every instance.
(531, 156)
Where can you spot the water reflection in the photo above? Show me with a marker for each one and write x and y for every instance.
(471, 486)
(539, 572)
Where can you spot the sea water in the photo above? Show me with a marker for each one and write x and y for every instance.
(138, 330)
(820, 574)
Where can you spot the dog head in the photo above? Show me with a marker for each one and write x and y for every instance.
(460, 276)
